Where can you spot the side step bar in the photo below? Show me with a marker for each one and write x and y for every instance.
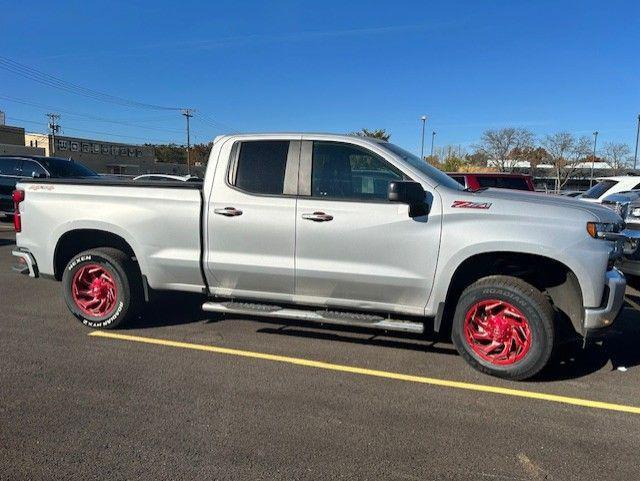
(322, 317)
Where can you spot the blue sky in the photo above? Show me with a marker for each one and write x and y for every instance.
(329, 66)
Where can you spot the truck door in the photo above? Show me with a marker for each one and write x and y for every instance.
(354, 248)
(251, 220)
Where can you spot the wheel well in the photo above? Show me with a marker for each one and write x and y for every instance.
(76, 241)
(548, 275)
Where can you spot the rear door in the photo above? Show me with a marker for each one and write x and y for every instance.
(251, 220)
(10, 169)
(354, 248)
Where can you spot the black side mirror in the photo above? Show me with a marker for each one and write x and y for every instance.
(409, 192)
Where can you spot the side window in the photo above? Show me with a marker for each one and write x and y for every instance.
(261, 166)
(9, 166)
(32, 169)
(345, 171)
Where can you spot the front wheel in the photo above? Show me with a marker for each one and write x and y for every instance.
(101, 288)
(504, 327)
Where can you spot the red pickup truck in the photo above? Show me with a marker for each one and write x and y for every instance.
(500, 180)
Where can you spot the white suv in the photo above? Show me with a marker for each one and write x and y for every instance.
(611, 185)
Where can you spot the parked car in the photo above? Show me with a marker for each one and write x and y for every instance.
(627, 205)
(295, 226)
(475, 181)
(14, 168)
(167, 178)
(610, 185)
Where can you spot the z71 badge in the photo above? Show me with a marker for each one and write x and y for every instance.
(465, 204)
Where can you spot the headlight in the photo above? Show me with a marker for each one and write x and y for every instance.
(635, 212)
(604, 230)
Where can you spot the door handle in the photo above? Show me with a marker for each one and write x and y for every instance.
(228, 212)
(318, 217)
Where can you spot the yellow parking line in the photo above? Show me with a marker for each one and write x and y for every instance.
(375, 373)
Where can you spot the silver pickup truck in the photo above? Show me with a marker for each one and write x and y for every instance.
(334, 229)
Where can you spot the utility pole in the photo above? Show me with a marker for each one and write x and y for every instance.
(433, 136)
(424, 122)
(188, 113)
(593, 159)
(54, 127)
(635, 156)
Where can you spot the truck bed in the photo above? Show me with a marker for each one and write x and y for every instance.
(161, 221)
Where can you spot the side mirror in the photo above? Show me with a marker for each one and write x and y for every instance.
(409, 192)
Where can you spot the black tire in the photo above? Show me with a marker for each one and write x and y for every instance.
(538, 313)
(123, 274)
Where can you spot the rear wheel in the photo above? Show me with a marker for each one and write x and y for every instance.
(102, 288)
(504, 327)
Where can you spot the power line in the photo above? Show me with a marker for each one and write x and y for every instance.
(87, 116)
(145, 139)
(55, 82)
(215, 123)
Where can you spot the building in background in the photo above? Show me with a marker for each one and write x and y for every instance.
(12, 140)
(101, 156)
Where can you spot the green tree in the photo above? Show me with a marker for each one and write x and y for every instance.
(381, 134)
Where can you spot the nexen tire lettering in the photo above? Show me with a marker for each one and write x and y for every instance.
(77, 261)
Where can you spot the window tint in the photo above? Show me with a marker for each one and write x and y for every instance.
(599, 189)
(32, 169)
(9, 166)
(349, 172)
(516, 183)
(261, 166)
(66, 168)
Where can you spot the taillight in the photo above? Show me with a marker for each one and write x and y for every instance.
(18, 196)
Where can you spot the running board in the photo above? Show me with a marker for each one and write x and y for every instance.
(322, 317)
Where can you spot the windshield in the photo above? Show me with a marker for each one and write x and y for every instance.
(65, 168)
(599, 189)
(438, 176)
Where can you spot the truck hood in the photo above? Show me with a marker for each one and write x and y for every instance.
(535, 203)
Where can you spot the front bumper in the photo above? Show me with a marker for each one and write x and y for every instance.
(600, 317)
(25, 263)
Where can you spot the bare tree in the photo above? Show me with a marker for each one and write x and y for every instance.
(498, 145)
(564, 153)
(616, 156)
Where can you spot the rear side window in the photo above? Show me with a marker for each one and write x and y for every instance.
(516, 183)
(10, 166)
(599, 189)
(261, 166)
(32, 169)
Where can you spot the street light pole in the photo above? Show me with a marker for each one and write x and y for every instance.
(424, 122)
(635, 156)
(593, 158)
(433, 136)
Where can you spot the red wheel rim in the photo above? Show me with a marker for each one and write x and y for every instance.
(94, 291)
(497, 331)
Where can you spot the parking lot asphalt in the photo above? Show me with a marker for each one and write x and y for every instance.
(184, 394)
